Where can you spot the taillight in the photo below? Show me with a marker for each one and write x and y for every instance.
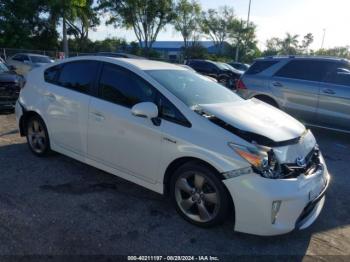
(240, 84)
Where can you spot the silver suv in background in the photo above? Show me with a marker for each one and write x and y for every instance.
(316, 90)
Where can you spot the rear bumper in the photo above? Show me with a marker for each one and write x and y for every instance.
(253, 196)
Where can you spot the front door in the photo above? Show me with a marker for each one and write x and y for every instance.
(297, 84)
(117, 138)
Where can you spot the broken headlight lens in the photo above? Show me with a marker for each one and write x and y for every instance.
(258, 159)
(263, 162)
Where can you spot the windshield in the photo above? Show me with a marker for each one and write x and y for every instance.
(192, 88)
(40, 59)
(3, 68)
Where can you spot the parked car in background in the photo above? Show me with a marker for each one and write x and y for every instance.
(24, 62)
(239, 66)
(178, 133)
(231, 68)
(10, 85)
(190, 68)
(221, 73)
(315, 90)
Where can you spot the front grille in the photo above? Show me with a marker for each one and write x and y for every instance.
(312, 162)
(9, 90)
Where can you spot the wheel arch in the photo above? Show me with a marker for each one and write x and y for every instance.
(24, 118)
(265, 98)
(175, 164)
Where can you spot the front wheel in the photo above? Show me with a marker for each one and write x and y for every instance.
(199, 195)
(37, 136)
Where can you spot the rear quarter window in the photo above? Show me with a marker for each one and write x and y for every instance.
(50, 74)
(260, 66)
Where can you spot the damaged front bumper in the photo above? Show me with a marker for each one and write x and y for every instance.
(300, 201)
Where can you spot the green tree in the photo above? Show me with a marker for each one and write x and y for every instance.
(306, 42)
(26, 24)
(217, 24)
(145, 17)
(86, 19)
(341, 51)
(290, 44)
(65, 10)
(186, 21)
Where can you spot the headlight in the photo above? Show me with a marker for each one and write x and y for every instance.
(258, 159)
(262, 161)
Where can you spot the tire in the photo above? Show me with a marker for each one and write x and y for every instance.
(199, 195)
(37, 136)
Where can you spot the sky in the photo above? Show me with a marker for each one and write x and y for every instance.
(273, 19)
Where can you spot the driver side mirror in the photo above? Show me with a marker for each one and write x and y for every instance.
(145, 109)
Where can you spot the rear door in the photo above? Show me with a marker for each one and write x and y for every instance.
(334, 102)
(67, 98)
(297, 84)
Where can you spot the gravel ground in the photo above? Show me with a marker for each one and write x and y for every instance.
(57, 206)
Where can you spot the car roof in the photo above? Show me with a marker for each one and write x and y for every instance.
(292, 57)
(142, 64)
(30, 54)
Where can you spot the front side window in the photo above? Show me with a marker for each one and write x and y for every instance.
(18, 58)
(310, 70)
(40, 59)
(123, 87)
(341, 75)
(192, 88)
(78, 76)
(260, 66)
(169, 112)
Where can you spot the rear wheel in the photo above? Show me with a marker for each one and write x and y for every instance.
(37, 136)
(199, 195)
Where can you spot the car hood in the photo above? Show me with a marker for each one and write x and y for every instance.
(9, 77)
(256, 117)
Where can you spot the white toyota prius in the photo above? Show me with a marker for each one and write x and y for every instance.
(178, 133)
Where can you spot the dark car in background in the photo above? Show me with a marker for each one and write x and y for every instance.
(316, 90)
(222, 73)
(10, 85)
(239, 66)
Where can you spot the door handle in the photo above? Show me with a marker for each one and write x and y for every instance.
(277, 84)
(328, 91)
(98, 116)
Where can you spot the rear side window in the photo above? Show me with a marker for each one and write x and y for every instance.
(123, 87)
(260, 66)
(310, 70)
(78, 76)
(51, 74)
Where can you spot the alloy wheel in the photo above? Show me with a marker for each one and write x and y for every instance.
(197, 197)
(37, 136)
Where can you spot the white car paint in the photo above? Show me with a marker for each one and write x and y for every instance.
(112, 138)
